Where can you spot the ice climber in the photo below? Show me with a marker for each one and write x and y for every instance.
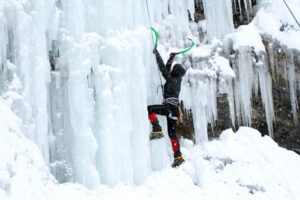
(170, 107)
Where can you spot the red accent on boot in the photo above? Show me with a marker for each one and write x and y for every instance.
(152, 117)
(175, 145)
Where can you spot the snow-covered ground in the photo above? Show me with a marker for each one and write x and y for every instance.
(241, 165)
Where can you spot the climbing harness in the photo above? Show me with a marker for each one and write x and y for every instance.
(291, 13)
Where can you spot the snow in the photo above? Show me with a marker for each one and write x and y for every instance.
(223, 66)
(23, 171)
(240, 165)
(273, 15)
(247, 35)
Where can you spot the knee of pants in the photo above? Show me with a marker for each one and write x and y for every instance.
(172, 132)
(149, 110)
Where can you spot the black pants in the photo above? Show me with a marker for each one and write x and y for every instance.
(172, 114)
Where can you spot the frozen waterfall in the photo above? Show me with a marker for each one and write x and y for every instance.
(80, 75)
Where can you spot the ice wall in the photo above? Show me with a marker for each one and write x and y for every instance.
(25, 65)
(80, 76)
(218, 15)
(106, 67)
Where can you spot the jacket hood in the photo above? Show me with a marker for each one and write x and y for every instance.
(178, 71)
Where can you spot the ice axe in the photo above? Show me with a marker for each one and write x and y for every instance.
(186, 50)
(180, 52)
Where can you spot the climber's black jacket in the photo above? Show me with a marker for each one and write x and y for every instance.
(173, 80)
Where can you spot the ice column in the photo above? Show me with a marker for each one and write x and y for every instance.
(243, 85)
(121, 124)
(265, 83)
(76, 51)
(219, 17)
(203, 101)
(60, 128)
(121, 132)
(292, 84)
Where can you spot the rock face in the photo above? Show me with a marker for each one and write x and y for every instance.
(284, 67)
(280, 67)
(285, 77)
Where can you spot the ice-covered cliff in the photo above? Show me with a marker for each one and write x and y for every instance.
(77, 76)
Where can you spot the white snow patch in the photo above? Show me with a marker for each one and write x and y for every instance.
(241, 165)
(23, 172)
(247, 36)
(273, 18)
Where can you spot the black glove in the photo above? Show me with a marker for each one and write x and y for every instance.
(155, 50)
(172, 56)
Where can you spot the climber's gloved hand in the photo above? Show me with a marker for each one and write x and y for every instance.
(172, 56)
(155, 51)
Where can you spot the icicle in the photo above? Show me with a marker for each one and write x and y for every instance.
(234, 6)
(272, 58)
(230, 97)
(241, 12)
(298, 75)
(221, 24)
(250, 5)
(199, 111)
(255, 84)
(244, 85)
(292, 85)
(203, 101)
(246, 9)
(265, 83)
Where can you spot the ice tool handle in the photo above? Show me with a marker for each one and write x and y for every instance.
(184, 51)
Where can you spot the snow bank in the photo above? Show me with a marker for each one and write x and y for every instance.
(247, 36)
(23, 172)
(241, 165)
(244, 165)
